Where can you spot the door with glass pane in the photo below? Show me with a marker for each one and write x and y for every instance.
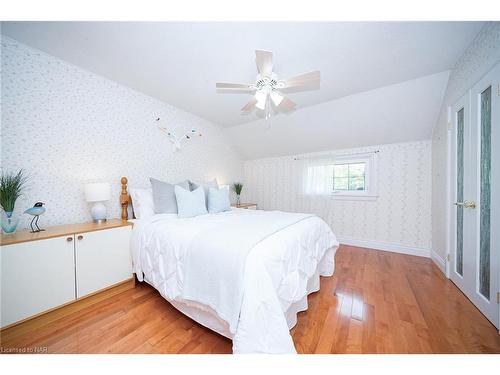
(476, 195)
(461, 167)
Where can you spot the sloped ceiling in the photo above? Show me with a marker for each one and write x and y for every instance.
(179, 63)
(403, 112)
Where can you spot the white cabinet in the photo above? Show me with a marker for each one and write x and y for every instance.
(36, 276)
(102, 259)
(45, 270)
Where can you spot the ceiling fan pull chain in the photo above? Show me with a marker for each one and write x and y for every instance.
(268, 107)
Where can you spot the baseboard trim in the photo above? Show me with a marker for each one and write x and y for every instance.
(439, 262)
(386, 246)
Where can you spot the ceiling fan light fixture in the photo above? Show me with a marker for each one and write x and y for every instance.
(266, 90)
(261, 105)
(261, 97)
(276, 97)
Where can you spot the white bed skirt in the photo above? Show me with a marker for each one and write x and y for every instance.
(207, 317)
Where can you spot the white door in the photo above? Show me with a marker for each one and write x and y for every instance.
(475, 241)
(36, 276)
(102, 259)
(460, 168)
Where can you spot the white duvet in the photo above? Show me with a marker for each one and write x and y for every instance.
(248, 266)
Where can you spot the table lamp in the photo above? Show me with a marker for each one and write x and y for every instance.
(98, 193)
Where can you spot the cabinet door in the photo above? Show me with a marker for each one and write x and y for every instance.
(102, 259)
(36, 276)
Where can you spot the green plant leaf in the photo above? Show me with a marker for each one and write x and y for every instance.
(11, 188)
(238, 187)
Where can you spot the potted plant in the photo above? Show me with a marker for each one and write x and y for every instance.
(238, 187)
(11, 187)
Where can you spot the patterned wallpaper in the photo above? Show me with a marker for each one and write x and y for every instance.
(66, 126)
(401, 214)
(480, 57)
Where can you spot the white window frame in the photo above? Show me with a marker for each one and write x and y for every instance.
(371, 191)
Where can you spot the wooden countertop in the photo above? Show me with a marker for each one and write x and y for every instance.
(59, 230)
(244, 205)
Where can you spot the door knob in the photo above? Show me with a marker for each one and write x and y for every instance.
(80, 237)
(466, 204)
(69, 239)
(470, 204)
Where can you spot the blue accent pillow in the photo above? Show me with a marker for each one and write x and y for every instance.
(190, 203)
(218, 200)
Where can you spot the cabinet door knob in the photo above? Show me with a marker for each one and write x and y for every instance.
(69, 239)
(80, 237)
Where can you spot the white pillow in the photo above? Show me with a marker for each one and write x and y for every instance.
(218, 200)
(142, 203)
(190, 203)
(205, 185)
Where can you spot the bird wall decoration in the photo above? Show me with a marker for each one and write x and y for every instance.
(35, 211)
(177, 141)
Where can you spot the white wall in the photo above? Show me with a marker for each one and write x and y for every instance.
(479, 58)
(66, 126)
(399, 219)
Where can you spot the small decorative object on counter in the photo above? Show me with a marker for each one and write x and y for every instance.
(9, 222)
(97, 193)
(35, 211)
(238, 187)
(11, 188)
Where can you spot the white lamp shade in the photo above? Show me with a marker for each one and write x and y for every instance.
(97, 192)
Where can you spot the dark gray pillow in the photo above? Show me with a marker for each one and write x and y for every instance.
(164, 196)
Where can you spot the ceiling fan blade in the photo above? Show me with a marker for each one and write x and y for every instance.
(234, 86)
(250, 105)
(287, 104)
(309, 80)
(264, 60)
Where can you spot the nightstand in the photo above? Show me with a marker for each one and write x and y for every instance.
(247, 206)
(62, 265)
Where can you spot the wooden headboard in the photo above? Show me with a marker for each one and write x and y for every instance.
(124, 198)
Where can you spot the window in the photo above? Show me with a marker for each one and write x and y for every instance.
(342, 176)
(349, 177)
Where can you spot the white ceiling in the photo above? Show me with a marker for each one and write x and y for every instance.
(403, 112)
(179, 63)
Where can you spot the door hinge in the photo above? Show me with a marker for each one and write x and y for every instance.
(448, 258)
(498, 91)
(498, 297)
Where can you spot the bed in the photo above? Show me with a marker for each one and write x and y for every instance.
(244, 274)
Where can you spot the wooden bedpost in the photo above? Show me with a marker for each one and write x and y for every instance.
(124, 198)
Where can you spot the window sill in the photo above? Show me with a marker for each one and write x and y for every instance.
(343, 196)
(354, 197)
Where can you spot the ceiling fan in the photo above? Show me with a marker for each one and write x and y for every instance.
(268, 89)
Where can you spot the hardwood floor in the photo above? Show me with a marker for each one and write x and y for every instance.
(376, 302)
